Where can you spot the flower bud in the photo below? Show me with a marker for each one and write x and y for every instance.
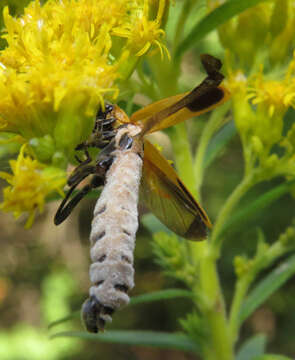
(257, 145)
(43, 148)
(242, 265)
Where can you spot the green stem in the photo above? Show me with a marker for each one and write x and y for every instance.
(219, 347)
(261, 261)
(212, 125)
(225, 212)
(183, 156)
(126, 68)
(165, 74)
(147, 86)
(241, 290)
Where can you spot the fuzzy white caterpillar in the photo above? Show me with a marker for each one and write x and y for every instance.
(113, 232)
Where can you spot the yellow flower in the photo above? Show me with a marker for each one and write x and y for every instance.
(237, 83)
(142, 32)
(275, 95)
(30, 184)
(64, 58)
(260, 102)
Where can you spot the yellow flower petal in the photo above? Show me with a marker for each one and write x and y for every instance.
(30, 184)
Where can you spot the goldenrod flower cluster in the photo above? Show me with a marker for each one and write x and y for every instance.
(61, 61)
(262, 83)
(29, 182)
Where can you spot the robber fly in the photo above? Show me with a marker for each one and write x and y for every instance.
(128, 166)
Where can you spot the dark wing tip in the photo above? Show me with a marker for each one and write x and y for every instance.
(210, 63)
(210, 96)
(197, 231)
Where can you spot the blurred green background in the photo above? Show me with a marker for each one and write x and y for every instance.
(44, 270)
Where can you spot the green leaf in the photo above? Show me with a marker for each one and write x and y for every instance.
(273, 281)
(243, 216)
(161, 295)
(161, 340)
(216, 18)
(73, 315)
(272, 357)
(140, 299)
(252, 348)
(218, 142)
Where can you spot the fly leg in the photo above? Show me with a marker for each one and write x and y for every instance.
(103, 131)
(99, 170)
(65, 209)
(86, 161)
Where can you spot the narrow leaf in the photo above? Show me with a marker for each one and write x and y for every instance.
(140, 299)
(161, 340)
(216, 18)
(252, 348)
(272, 282)
(219, 141)
(74, 315)
(272, 357)
(245, 215)
(161, 295)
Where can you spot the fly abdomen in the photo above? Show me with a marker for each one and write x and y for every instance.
(113, 235)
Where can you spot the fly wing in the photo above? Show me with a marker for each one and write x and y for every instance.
(167, 197)
(204, 97)
(173, 110)
(141, 115)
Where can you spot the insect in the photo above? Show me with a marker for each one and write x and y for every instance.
(129, 166)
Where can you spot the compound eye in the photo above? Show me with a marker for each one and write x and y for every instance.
(125, 142)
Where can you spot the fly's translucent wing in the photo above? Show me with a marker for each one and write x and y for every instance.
(167, 197)
(175, 109)
(170, 111)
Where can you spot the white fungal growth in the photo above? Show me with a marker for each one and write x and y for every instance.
(114, 228)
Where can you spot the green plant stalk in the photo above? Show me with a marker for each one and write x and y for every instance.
(219, 347)
(127, 67)
(244, 282)
(232, 201)
(241, 290)
(183, 156)
(147, 87)
(165, 75)
(214, 310)
(249, 157)
(215, 120)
